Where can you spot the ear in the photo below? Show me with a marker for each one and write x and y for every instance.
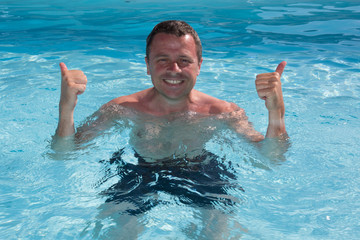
(147, 65)
(200, 62)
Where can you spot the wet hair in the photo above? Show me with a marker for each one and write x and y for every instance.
(177, 28)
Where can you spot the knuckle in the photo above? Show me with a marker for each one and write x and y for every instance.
(259, 76)
(277, 84)
(70, 84)
(276, 75)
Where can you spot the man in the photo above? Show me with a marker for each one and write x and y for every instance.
(169, 133)
(173, 60)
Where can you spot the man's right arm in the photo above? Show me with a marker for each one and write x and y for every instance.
(73, 83)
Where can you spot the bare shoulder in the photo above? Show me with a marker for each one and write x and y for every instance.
(121, 105)
(132, 98)
(216, 106)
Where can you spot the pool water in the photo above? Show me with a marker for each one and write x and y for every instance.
(312, 193)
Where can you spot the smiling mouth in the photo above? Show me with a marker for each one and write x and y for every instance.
(173, 82)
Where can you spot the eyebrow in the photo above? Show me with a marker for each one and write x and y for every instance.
(167, 55)
(161, 55)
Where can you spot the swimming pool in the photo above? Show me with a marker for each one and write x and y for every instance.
(312, 195)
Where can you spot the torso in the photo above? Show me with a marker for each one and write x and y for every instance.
(176, 136)
(156, 135)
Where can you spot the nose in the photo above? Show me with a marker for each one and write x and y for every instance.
(174, 67)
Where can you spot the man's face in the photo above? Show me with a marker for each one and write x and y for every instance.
(173, 65)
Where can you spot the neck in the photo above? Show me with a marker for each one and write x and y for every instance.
(163, 106)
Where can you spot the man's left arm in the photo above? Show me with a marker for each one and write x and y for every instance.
(268, 87)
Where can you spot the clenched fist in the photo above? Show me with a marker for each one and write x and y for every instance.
(268, 86)
(73, 83)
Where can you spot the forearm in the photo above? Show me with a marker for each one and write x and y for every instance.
(66, 124)
(276, 127)
(276, 142)
(63, 140)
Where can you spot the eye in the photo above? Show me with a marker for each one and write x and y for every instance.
(185, 61)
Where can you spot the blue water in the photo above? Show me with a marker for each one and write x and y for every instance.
(313, 194)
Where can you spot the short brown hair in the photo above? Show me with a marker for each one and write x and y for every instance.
(177, 28)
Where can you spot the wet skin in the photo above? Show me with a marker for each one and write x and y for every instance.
(174, 66)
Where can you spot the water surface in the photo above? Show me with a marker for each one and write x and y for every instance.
(312, 195)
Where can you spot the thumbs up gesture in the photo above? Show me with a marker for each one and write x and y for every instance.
(268, 87)
(73, 83)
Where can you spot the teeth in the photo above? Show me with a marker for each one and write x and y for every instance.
(172, 81)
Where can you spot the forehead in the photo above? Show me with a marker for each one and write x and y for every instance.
(168, 43)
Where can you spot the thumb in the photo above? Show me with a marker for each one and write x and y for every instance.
(63, 68)
(280, 68)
